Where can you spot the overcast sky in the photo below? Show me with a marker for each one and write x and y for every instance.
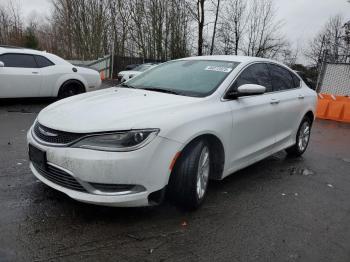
(302, 18)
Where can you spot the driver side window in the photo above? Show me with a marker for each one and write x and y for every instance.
(18, 60)
(257, 74)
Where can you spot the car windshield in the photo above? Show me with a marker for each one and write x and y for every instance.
(197, 78)
(142, 68)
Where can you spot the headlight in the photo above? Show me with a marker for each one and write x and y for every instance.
(119, 141)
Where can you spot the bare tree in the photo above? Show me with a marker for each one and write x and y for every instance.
(152, 29)
(251, 28)
(289, 55)
(215, 25)
(239, 22)
(201, 19)
(83, 25)
(330, 41)
(232, 28)
(11, 25)
(264, 38)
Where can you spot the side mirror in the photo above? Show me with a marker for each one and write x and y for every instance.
(246, 90)
(251, 89)
(2, 64)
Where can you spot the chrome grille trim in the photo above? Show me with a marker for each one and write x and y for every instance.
(49, 136)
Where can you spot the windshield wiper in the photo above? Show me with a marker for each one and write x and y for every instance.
(126, 85)
(162, 90)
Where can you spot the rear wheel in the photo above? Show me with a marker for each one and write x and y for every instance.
(302, 139)
(189, 180)
(70, 88)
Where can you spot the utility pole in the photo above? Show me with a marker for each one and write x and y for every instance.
(320, 55)
(111, 61)
(347, 42)
(320, 73)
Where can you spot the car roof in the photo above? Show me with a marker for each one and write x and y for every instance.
(231, 58)
(243, 60)
(14, 49)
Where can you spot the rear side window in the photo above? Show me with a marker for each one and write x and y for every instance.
(281, 78)
(296, 80)
(18, 60)
(43, 61)
(255, 74)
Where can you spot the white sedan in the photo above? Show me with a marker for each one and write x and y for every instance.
(171, 129)
(126, 75)
(31, 73)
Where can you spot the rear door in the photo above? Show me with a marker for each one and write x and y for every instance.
(286, 87)
(254, 118)
(20, 77)
(49, 75)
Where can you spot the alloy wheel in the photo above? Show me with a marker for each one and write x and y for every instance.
(304, 136)
(203, 172)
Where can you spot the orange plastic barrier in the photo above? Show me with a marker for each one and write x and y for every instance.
(333, 107)
(346, 113)
(322, 108)
(343, 98)
(102, 75)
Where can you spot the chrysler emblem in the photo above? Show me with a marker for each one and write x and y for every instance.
(46, 133)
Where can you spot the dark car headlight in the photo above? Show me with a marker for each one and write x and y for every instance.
(118, 141)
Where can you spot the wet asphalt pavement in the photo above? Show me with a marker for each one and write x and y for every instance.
(280, 209)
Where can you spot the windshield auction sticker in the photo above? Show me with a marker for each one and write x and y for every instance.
(218, 69)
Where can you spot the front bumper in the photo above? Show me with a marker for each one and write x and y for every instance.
(147, 167)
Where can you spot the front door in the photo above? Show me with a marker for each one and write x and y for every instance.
(20, 76)
(254, 118)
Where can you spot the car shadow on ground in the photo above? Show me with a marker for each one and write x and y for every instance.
(270, 169)
(24, 105)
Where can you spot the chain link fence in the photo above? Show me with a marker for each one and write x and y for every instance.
(335, 79)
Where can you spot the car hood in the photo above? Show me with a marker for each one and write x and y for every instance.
(110, 109)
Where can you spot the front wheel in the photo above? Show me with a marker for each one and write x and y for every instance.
(189, 180)
(302, 139)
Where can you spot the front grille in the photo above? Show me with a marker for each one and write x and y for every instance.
(60, 177)
(53, 136)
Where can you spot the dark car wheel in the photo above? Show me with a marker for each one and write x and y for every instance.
(302, 139)
(70, 89)
(189, 180)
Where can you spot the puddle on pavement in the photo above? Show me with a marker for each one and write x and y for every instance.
(301, 171)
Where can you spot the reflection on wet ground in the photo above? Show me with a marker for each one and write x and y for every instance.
(280, 209)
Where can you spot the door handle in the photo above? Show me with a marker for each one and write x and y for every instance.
(274, 101)
(35, 73)
(300, 97)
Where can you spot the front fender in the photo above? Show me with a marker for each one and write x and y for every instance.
(213, 119)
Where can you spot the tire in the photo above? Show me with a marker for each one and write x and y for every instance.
(70, 88)
(302, 138)
(188, 182)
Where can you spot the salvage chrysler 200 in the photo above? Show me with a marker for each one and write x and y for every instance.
(167, 132)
